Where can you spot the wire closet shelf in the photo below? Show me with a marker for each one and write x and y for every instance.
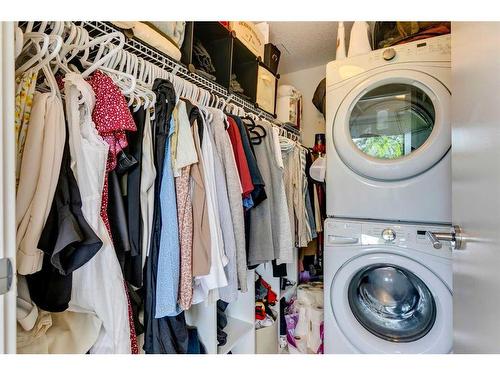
(99, 28)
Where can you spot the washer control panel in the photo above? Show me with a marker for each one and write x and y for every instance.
(368, 233)
(385, 233)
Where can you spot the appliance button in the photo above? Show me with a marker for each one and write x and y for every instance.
(388, 235)
(389, 54)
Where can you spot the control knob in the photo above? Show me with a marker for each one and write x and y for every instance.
(388, 235)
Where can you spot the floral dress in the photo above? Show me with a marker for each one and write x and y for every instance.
(112, 118)
(25, 89)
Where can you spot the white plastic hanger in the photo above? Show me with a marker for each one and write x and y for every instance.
(32, 40)
(105, 52)
(55, 44)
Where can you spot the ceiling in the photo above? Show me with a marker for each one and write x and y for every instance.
(305, 44)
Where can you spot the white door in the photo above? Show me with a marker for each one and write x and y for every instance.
(476, 185)
(7, 190)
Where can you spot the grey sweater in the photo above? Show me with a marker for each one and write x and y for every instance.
(270, 232)
(232, 181)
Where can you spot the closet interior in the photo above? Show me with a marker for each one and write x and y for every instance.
(162, 194)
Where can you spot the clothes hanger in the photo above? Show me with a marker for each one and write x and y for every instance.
(220, 103)
(201, 96)
(105, 52)
(52, 52)
(237, 111)
(55, 44)
(253, 128)
(32, 40)
(136, 95)
(69, 33)
(149, 95)
(82, 38)
(126, 82)
(18, 41)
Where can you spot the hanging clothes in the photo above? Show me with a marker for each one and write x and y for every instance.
(310, 195)
(133, 260)
(302, 231)
(202, 247)
(258, 193)
(117, 218)
(167, 284)
(35, 199)
(185, 156)
(25, 90)
(216, 278)
(112, 119)
(98, 286)
(287, 150)
(269, 221)
(286, 251)
(67, 240)
(29, 174)
(218, 135)
(41, 332)
(234, 190)
(147, 194)
(168, 334)
(241, 159)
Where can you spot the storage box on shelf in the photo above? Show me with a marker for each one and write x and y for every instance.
(272, 57)
(244, 68)
(257, 81)
(289, 105)
(238, 68)
(248, 34)
(217, 40)
(267, 84)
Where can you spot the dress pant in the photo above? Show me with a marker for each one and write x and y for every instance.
(133, 262)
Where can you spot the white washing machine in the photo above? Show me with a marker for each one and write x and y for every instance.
(389, 134)
(387, 289)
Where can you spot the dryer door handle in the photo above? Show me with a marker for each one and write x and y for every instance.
(342, 240)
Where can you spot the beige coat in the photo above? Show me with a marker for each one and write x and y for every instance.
(39, 174)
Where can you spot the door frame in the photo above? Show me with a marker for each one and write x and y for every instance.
(7, 182)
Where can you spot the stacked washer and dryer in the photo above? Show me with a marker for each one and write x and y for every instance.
(388, 238)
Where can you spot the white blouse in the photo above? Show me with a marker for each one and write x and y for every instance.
(98, 286)
(216, 277)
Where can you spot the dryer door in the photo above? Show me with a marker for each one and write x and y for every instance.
(394, 125)
(388, 303)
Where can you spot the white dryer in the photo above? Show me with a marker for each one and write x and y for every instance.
(387, 288)
(389, 134)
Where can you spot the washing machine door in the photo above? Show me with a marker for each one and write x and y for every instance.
(394, 125)
(389, 303)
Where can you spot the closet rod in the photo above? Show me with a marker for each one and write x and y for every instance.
(99, 28)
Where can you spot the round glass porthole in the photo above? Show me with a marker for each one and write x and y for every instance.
(392, 120)
(392, 303)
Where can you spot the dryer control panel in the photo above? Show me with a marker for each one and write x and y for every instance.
(435, 51)
(369, 233)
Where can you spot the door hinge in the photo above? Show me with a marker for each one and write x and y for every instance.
(6, 275)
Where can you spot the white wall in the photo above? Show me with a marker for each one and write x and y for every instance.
(306, 81)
